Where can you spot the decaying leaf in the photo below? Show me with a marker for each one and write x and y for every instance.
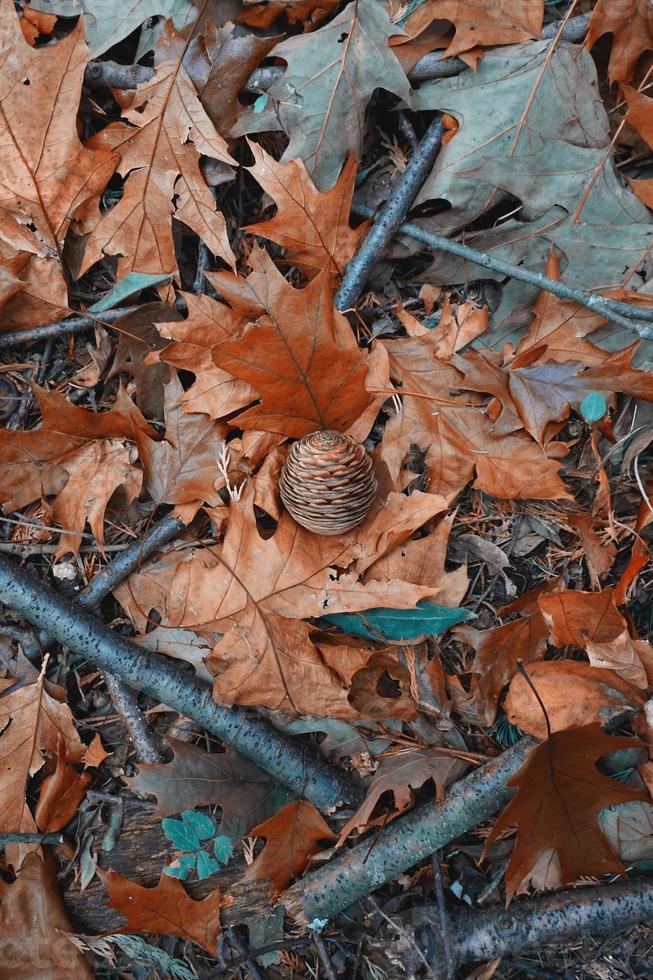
(559, 795)
(478, 23)
(262, 13)
(193, 778)
(631, 26)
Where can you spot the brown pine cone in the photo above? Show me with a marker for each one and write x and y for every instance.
(327, 482)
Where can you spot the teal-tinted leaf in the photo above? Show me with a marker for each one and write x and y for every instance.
(593, 407)
(223, 849)
(199, 824)
(132, 283)
(180, 834)
(184, 866)
(260, 104)
(206, 865)
(400, 624)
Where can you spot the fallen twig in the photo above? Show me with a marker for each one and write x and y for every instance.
(390, 217)
(54, 837)
(431, 66)
(73, 324)
(623, 313)
(353, 874)
(293, 763)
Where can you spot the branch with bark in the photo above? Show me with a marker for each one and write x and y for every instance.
(294, 764)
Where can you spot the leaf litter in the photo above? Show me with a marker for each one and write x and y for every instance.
(498, 584)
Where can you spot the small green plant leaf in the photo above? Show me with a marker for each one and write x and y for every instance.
(206, 865)
(593, 407)
(400, 624)
(184, 866)
(201, 825)
(223, 848)
(181, 835)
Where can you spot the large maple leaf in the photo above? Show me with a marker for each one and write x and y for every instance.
(300, 355)
(559, 795)
(46, 173)
(256, 592)
(320, 100)
(159, 147)
(312, 225)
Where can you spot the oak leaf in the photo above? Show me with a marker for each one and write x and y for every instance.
(301, 356)
(574, 694)
(61, 793)
(166, 909)
(631, 26)
(578, 618)
(47, 174)
(320, 100)
(559, 795)
(477, 22)
(194, 778)
(159, 147)
(32, 720)
(293, 836)
(34, 926)
(312, 225)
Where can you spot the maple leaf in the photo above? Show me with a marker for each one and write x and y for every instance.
(193, 778)
(262, 13)
(254, 591)
(301, 356)
(631, 26)
(32, 719)
(292, 836)
(321, 98)
(183, 468)
(47, 174)
(598, 696)
(576, 617)
(34, 926)
(220, 62)
(312, 225)
(478, 23)
(400, 773)
(166, 909)
(159, 148)
(559, 795)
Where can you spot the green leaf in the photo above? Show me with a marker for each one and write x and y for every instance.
(180, 834)
(184, 866)
(400, 624)
(206, 865)
(593, 407)
(199, 824)
(132, 283)
(223, 849)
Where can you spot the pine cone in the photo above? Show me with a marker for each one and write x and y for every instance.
(327, 483)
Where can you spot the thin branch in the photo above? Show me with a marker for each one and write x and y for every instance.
(303, 770)
(390, 217)
(74, 324)
(431, 66)
(623, 313)
(406, 841)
